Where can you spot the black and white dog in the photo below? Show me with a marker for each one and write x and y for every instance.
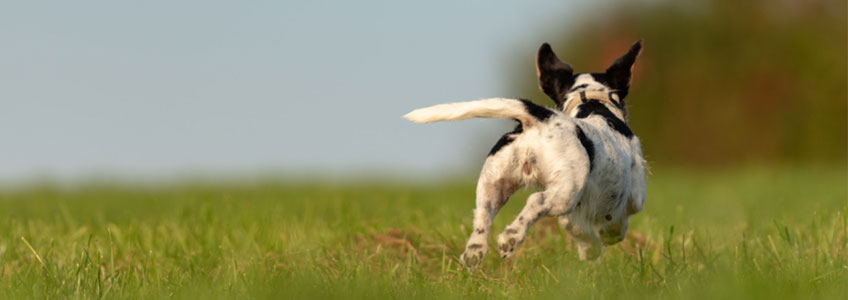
(583, 155)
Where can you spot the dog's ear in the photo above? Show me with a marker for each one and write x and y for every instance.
(619, 72)
(555, 76)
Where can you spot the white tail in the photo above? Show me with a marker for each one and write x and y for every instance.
(501, 108)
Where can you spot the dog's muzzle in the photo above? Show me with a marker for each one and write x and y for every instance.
(611, 237)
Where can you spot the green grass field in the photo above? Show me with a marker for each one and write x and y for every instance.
(776, 233)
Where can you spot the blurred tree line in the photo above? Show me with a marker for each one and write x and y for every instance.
(723, 81)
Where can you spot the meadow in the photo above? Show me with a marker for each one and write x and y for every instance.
(740, 233)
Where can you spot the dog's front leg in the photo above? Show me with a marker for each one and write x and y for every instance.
(491, 196)
(589, 246)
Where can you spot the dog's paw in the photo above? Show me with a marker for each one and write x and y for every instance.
(508, 241)
(474, 254)
(589, 252)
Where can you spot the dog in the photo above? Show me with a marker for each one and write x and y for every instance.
(583, 155)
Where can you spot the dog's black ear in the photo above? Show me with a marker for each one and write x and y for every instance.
(555, 76)
(619, 72)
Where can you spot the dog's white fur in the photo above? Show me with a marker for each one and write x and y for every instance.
(593, 199)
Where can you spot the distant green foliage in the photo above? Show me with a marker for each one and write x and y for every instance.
(738, 234)
(723, 81)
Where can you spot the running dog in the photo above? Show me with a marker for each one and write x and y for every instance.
(583, 155)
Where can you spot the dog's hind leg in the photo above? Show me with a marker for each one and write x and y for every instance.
(492, 194)
(558, 199)
(515, 233)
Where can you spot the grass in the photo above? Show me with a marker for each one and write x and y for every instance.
(772, 233)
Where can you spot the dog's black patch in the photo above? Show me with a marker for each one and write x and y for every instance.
(601, 78)
(595, 107)
(604, 79)
(539, 112)
(589, 146)
(541, 214)
(503, 141)
(620, 104)
(578, 87)
(506, 139)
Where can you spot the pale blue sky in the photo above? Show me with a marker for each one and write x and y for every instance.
(158, 87)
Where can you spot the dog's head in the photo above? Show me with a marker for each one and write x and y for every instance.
(613, 230)
(558, 81)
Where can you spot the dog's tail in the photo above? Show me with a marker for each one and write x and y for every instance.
(523, 111)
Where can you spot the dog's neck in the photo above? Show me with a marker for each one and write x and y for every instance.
(607, 97)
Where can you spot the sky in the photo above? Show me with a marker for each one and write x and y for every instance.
(156, 88)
